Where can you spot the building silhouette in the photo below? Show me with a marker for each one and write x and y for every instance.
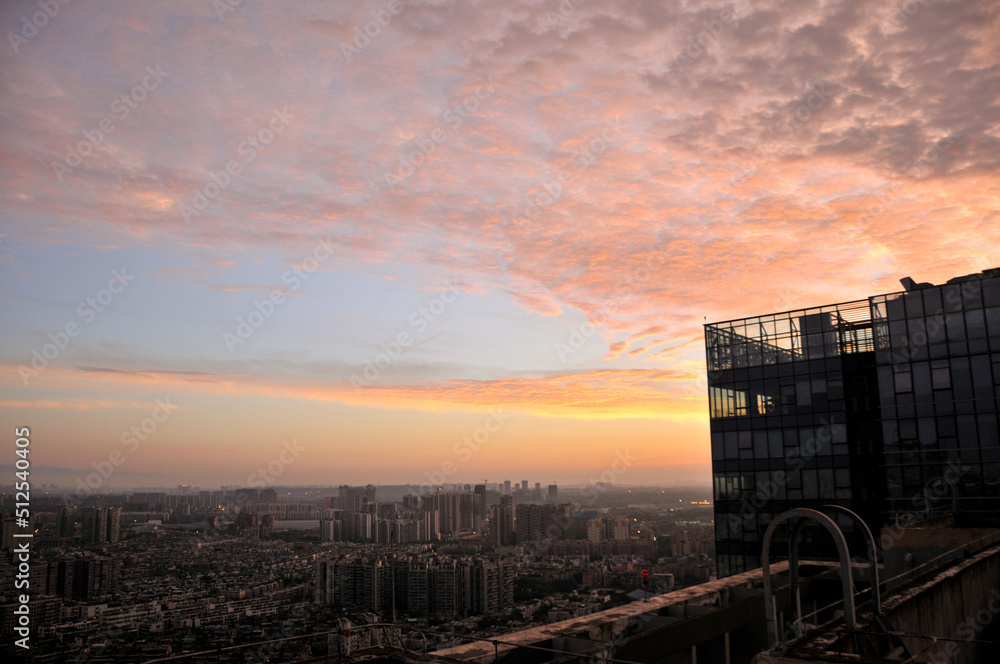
(502, 522)
(444, 587)
(886, 406)
(101, 525)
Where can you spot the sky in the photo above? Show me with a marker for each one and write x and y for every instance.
(433, 241)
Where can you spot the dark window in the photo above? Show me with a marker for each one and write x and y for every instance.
(904, 381)
(940, 375)
(975, 324)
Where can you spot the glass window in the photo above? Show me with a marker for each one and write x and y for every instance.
(897, 332)
(810, 488)
(926, 431)
(922, 380)
(975, 324)
(732, 451)
(760, 444)
(952, 297)
(981, 375)
(904, 382)
(744, 440)
(835, 388)
(988, 430)
(775, 449)
(803, 392)
(935, 328)
(993, 321)
(843, 478)
(838, 433)
(991, 292)
(825, 479)
(955, 322)
(972, 295)
(932, 301)
(724, 402)
(914, 304)
(967, 431)
(941, 377)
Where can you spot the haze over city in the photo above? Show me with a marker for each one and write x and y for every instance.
(476, 241)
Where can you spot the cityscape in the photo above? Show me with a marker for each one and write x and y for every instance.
(520, 332)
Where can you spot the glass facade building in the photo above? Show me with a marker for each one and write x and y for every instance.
(885, 406)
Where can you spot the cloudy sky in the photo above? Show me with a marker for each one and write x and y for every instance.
(446, 239)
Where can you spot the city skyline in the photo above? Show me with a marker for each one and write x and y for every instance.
(393, 241)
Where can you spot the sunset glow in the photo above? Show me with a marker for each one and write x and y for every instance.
(272, 229)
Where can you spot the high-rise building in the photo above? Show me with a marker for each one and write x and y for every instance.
(536, 522)
(502, 522)
(886, 406)
(67, 522)
(113, 524)
(553, 493)
(8, 526)
(479, 507)
(595, 530)
(438, 586)
(95, 525)
(619, 530)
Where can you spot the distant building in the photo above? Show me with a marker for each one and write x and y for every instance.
(536, 522)
(101, 525)
(502, 522)
(479, 507)
(595, 530)
(424, 586)
(67, 522)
